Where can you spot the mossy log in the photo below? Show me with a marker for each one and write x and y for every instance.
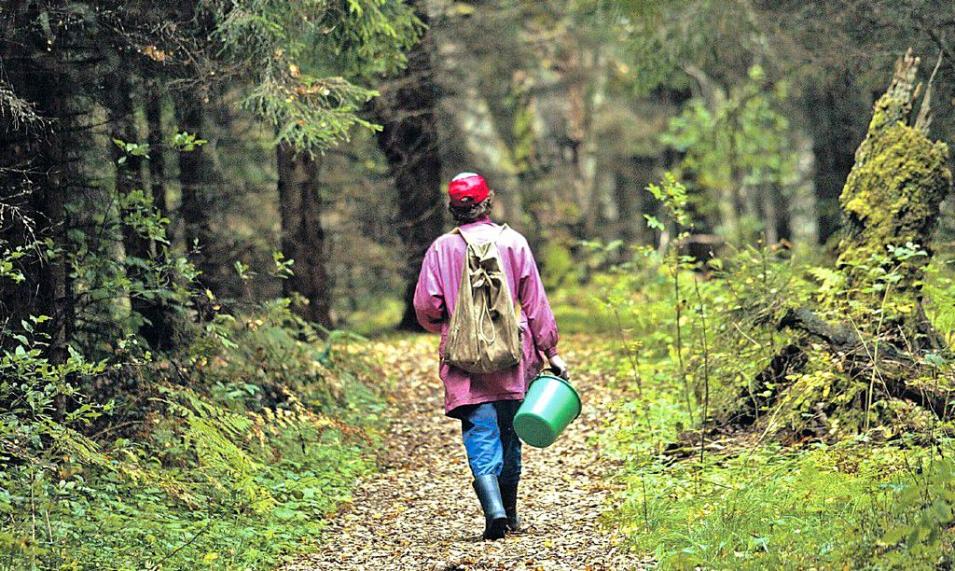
(874, 327)
(865, 358)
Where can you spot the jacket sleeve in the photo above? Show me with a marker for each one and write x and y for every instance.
(429, 294)
(535, 306)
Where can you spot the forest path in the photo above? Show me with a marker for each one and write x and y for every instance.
(419, 511)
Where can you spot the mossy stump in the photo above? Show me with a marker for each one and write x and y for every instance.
(891, 205)
(862, 357)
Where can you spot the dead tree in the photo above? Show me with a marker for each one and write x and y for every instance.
(873, 327)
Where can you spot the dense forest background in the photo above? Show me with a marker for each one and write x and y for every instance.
(203, 203)
(570, 110)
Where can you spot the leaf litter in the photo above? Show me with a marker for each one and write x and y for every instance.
(419, 511)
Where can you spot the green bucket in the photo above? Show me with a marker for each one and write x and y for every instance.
(550, 405)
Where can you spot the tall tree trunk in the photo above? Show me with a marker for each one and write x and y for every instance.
(482, 148)
(884, 356)
(473, 137)
(303, 238)
(587, 79)
(802, 220)
(156, 328)
(633, 176)
(409, 140)
(129, 171)
(562, 189)
(731, 202)
(834, 118)
(157, 161)
(37, 177)
(775, 213)
(883, 209)
(198, 178)
(770, 213)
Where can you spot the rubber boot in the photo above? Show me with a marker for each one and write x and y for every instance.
(495, 518)
(509, 497)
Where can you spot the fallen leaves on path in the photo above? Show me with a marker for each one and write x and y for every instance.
(420, 512)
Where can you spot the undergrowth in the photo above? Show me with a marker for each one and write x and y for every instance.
(240, 450)
(806, 485)
(852, 505)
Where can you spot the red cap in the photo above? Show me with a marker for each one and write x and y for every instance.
(467, 188)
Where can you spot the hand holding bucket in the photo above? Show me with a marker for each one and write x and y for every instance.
(551, 403)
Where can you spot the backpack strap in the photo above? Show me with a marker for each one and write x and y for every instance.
(457, 230)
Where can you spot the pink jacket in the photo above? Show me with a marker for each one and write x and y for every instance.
(436, 295)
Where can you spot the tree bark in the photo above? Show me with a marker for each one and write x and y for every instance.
(129, 174)
(409, 141)
(303, 238)
(873, 326)
(473, 136)
(893, 193)
(156, 328)
(157, 160)
(633, 176)
(198, 178)
(775, 212)
(37, 177)
(891, 200)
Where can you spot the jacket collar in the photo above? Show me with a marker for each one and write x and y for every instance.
(485, 219)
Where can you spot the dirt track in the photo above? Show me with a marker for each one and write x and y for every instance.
(419, 512)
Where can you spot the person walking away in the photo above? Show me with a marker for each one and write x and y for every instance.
(485, 402)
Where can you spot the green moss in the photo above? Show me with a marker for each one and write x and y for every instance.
(891, 199)
(893, 194)
(891, 204)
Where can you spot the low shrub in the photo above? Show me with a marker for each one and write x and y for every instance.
(246, 442)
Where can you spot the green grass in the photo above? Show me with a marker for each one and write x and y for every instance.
(211, 512)
(854, 505)
(769, 508)
(112, 524)
(753, 504)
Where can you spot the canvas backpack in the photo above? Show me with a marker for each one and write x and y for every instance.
(484, 335)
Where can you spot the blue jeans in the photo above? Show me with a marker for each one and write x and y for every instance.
(490, 441)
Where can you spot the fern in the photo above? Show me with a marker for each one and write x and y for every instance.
(216, 436)
(828, 278)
